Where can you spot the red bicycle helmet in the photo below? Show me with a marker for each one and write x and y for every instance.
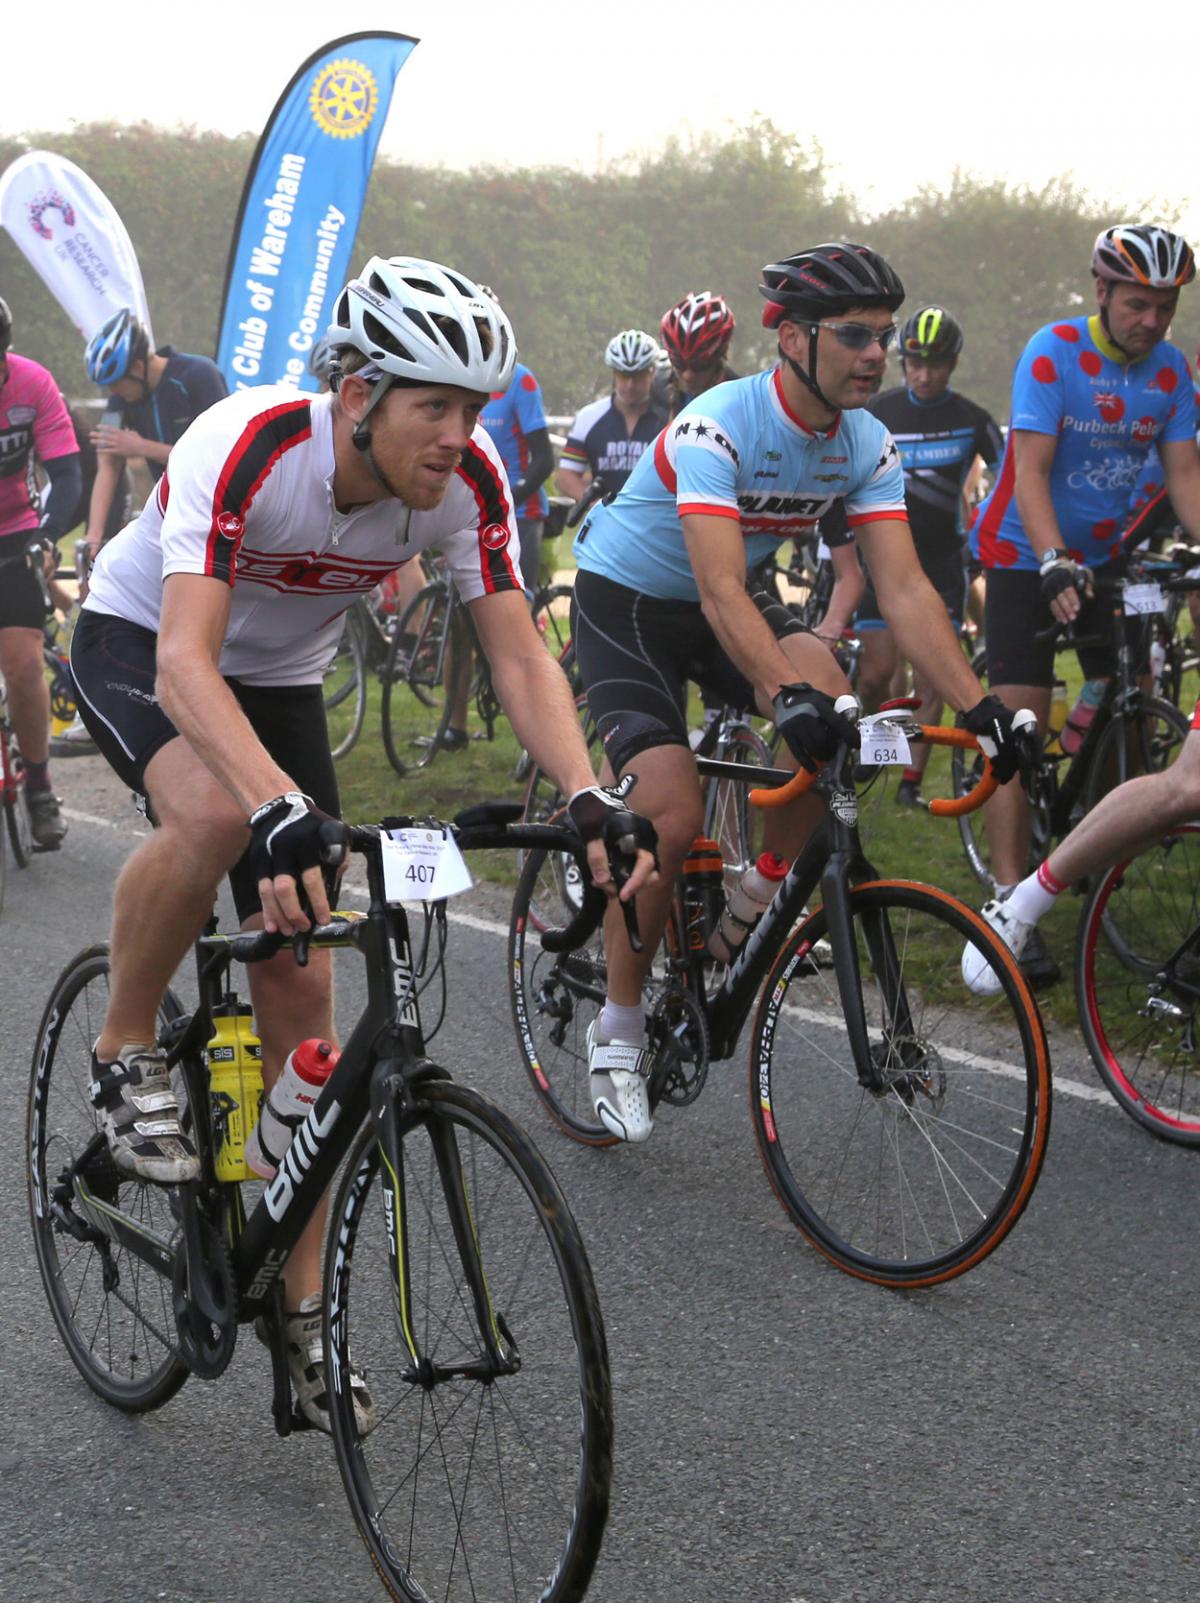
(698, 328)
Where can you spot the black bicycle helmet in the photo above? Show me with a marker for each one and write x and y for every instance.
(826, 280)
(931, 335)
(5, 327)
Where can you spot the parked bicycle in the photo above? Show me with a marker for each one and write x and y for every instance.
(453, 1267)
(901, 1122)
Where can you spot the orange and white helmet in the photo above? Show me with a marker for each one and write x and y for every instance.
(1143, 253)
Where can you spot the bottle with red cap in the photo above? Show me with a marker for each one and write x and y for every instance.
(751, 896)
(289, 1104)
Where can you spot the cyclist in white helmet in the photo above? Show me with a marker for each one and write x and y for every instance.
(199, 657)
(607, 438)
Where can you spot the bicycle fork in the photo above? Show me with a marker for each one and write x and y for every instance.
(396, 1110)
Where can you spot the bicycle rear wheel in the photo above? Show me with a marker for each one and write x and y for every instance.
(1138, 994)
(427, 650)
(552, 618)
(112, 1311)
(916, 1176)
(475, 1484)
(345, 686)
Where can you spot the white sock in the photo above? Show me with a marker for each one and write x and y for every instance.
(617, 1023)
(1035, 896)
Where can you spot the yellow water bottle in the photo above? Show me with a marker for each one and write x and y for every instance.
(235, 1085)
(1059, 707)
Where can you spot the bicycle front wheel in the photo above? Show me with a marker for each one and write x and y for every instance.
(112, 1311)
(1145, 741)
(1137, 985)
(488, 1473)
(16, 814)
(729, 818)
(912, 1169)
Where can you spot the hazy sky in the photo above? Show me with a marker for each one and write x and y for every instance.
(898, 97)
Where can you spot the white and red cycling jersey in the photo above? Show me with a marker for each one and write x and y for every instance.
(248, 499)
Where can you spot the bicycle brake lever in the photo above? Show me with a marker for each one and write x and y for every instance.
(301, 942)
(620, 874)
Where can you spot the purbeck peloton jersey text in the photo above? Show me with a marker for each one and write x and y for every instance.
(738, 451)
(938, 442)
(1108, 414)
(248, 499)
(599, 441)
(34, 424)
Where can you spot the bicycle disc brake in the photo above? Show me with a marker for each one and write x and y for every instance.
(679, 1036)
(204, 1296)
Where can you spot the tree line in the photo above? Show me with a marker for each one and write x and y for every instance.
(576, 256)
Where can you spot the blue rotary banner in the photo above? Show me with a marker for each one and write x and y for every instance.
(301, 207)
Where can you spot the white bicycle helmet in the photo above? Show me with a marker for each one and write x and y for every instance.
(424, 323)
(1143, 253)
(631, 351)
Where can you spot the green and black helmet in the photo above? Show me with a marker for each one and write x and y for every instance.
(931, 335)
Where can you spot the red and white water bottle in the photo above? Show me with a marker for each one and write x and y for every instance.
(291, 1100)
(745, 907)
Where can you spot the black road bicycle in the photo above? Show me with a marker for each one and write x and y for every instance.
(1132, 733)
(454, 1270)
(901, 1120)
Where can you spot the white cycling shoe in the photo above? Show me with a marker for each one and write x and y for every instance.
(619, 1071)
(978, 974)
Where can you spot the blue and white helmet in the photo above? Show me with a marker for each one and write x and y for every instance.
(429, 324)
(113, 350)
(631, 351)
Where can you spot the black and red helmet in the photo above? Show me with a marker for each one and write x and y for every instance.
(698, 328)
(826, 280)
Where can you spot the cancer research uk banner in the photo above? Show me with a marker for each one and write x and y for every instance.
(67, 228)
(300, 209)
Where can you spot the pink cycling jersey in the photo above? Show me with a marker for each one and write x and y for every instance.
(34, 425)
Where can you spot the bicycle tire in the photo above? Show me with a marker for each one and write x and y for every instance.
(111, 1310)
(511, 1500)
(346, 687)
(729, 817)
(554, 1001)
(414, 705)
(1135, 918)
(916, 1181)
(16, 814)
(1144, 741)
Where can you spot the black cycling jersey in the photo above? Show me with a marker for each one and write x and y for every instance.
(938, 441)
(189, 386)
(600, 442)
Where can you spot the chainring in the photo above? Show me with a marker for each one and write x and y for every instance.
(206, 1345)
(679, 1035)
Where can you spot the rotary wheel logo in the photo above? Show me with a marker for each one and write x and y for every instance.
(343, 99)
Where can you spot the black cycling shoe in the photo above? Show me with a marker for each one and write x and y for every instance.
(908, 794)
(452, 740)
(1038, 967)
(46, 822)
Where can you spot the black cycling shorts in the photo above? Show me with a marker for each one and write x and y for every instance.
(113, 663)
(945, 571)
(636, 655)
(22, 599)
(1016, 612)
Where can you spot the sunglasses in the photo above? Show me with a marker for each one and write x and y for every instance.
(858, 336)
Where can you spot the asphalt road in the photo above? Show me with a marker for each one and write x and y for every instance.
(784, 1434)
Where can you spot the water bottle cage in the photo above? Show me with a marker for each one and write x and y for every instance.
(741, 923)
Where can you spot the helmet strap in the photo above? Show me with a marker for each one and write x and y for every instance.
(361, 433)
(809, 378)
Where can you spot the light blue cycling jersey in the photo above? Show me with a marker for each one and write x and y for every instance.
(738, 451)
(1108, 414)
